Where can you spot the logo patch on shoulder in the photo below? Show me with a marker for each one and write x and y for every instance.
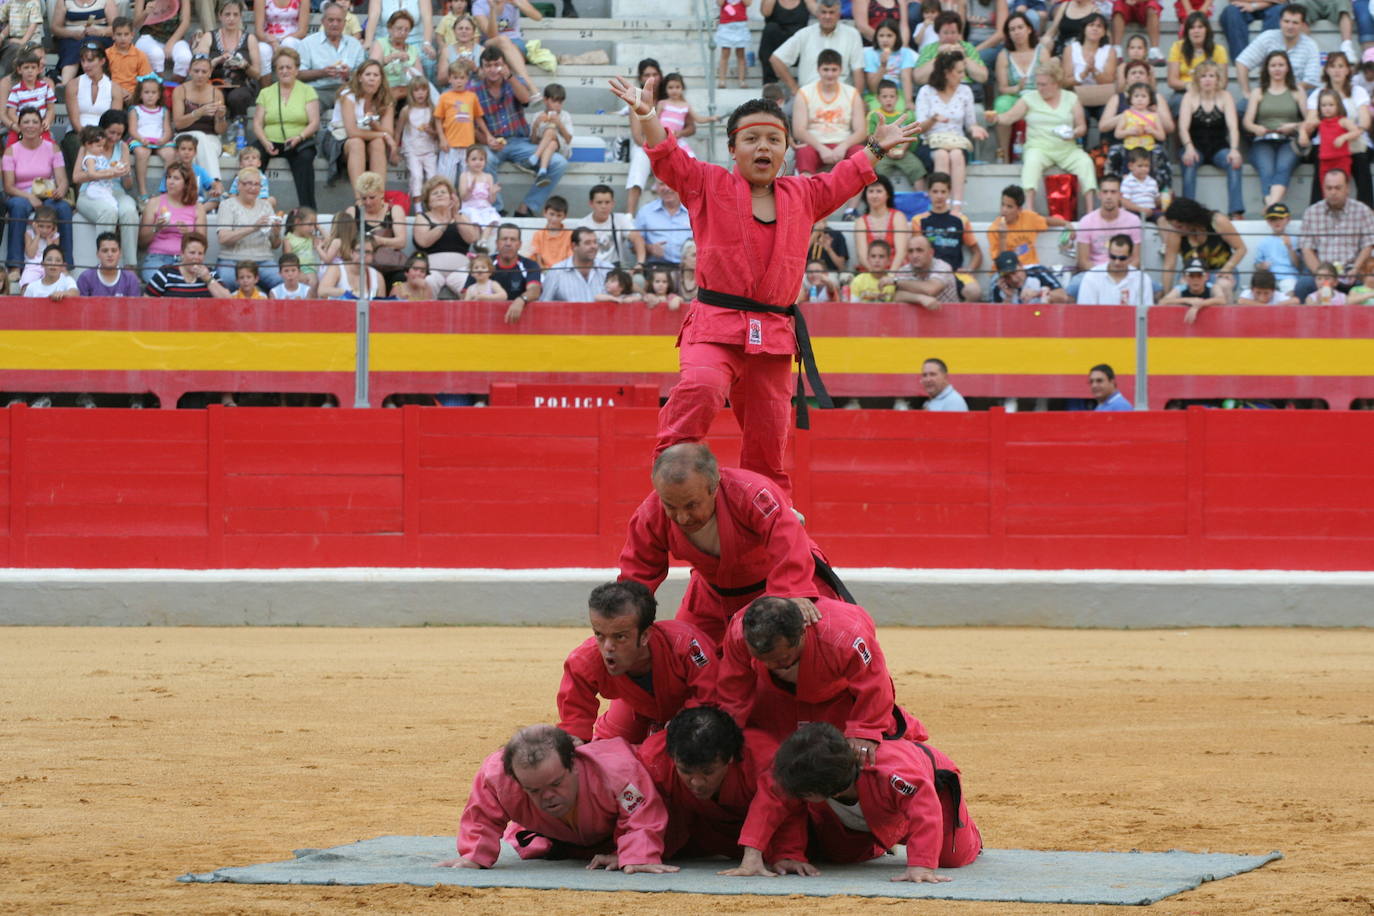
(902, 786)
(765, 502)
(631, 798)
(862, 648)
(695, 653)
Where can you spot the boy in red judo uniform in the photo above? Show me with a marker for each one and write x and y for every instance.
(553, 800)
(649, 670)
(734, 527)
(752, 230)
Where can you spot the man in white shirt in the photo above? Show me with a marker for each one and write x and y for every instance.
(1116, 282)
(940, 394)
(801, 49)
(1095, 229)
(828, 118)
(580, 277)
(618, 243)
(1291, 38)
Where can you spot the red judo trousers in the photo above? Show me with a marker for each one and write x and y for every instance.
(744, 356)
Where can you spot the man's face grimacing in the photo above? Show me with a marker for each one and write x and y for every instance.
(690, 504)
(1101, 386)
(624, 649)
(704, 781)
(782, 660)
(933, 379)
(552, 785)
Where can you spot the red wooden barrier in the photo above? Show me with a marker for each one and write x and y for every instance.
(532, 487)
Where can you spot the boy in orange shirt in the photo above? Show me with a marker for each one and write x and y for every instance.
(127, 63)
(1017, 229)
(553, 243)
(460, 118)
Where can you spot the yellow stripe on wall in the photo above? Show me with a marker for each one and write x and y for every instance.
(1261, 356)
(165, 351)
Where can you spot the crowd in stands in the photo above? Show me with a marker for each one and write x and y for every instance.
(1068, 89)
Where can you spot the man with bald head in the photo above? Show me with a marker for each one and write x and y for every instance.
(735, 528)
(552, 800)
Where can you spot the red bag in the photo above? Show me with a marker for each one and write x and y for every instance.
(1061, 195)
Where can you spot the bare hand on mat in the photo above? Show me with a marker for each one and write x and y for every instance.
(918, 875)
(611, 862)
(459, 862)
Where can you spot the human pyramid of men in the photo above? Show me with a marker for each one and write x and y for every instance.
(761, 724)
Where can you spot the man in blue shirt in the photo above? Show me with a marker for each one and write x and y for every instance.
(329, 57)
(1102, 381)
(666, 227)
(940, 394)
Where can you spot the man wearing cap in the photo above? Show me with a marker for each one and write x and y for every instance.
(1194, 292)
(1338, 230)
(1095, 229)
(1102, 383)
(1118, 281)
(1016, 287)
(1276, 253)
(940, 394)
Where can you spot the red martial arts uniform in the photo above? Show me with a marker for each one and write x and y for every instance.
(710, 827)
(842, 679)
(684, 670)
(618, 810)
(764, 550)
(901, 803)
(745, 356)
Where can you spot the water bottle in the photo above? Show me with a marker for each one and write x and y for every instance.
(240, 135)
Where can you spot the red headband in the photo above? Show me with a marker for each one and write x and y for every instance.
(757, 124)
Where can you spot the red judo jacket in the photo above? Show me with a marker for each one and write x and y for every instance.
(728, 261)
(684, 673)
(616, 801)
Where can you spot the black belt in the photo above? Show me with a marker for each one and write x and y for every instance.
(808, 356)
(823, 569)
(739, 591)
(946, 781)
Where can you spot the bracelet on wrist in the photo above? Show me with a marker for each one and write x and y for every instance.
(646, 117)
(873, 147)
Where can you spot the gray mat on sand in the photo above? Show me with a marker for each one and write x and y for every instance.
(1024, 875)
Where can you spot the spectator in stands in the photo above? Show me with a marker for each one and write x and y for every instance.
(1017, 64)
(88, 97)
(28, 88)
(460, 120)
(950, 28)
(1102, 383)
(1276, 252)
(415, 287)
(1299, 49)
(34, 175)
(1138, 12)
(235, 58)
(618, 242)
(127, 62)
(189, 279)
(1017, 229)
(161, 25)
(640, 173)
(870, 15)
(329, 57)
(108, 278)
(519, 277)
(820, 285)
(905, 158)
(889, 61)
(382, 223)
(1095, 229)
(1118, 281)
(828, 247)
(1336, 230)
(1195, 292)
(1264, 291)
(1193, 232)
(827, 118)
(1090, 63)
(199, 109)
(344, 279)
(927, 281)
(1236, 19)
(55, 283)
(118, 209)
(1209, 132)
(1015, 286)
(945, 108)
(290, 131)
(168, 218)
(949, 234)
(1274, 116)
(293, 283)
(22, 24)
(985, 24)
(76, 25)
(781, 20)
(280, 25)
(941, 396)
(553, 243)
(442, 232)
(881, 221)
(364, 120)
(686, 279)
(1197, 45)
(1337, 76)
(503, 101)
(459, 44)
(400, 60)
(804, 47)
(665, 227)
(1054, 121)
(248, 231)
(580, 276)
(876, 283)
(501, 30)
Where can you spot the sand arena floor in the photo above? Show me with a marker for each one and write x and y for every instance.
(133, 755)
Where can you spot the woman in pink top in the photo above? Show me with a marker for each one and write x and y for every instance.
(34, 160)
(169, 216)
(752, 230)
(281, 25)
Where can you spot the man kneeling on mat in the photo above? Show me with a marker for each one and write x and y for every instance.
(556, 801)
(911, 796)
